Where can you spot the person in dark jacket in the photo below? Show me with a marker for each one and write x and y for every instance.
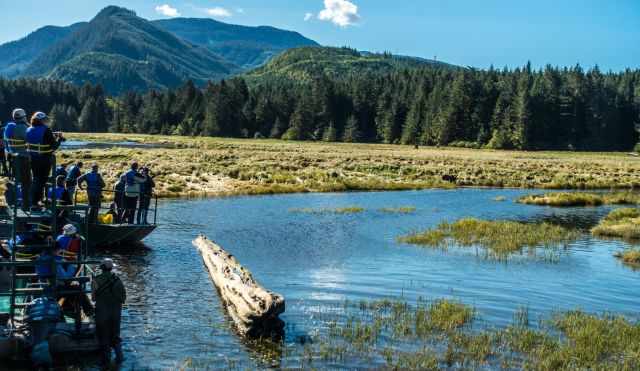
(146, 192)
(41, 144)
(95, 185)
(109, 294)
(16, 147)
(72, 178)
(118, 190)
(132, 191)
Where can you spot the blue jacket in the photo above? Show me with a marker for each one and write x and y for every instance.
(43, 267)
(15, 138)
(94, 181)
(73, 175)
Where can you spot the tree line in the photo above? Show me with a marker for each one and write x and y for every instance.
(523, 108)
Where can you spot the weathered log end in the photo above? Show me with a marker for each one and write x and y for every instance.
(253, 308)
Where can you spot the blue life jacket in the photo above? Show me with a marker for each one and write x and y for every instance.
(35, 141)
(93, 182)
(63, 241)
(131, 176)
(43, 266)
(11, 144)
(59, 192)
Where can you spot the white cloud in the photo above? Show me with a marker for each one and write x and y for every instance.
(167, 10)
(308, 16)
(219, 12)
(340, 12)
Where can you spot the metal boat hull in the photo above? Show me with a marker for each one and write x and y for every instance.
(110, 235)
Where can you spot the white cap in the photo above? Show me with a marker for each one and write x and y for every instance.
(69, 230)
(18, 114)
(107, 263)
(41, 116)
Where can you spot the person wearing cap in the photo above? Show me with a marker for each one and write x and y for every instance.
(16, 148)
(41, 144)
(131, 191)
(72, 178)
(109, 294)
(95, 184)
(69, 242)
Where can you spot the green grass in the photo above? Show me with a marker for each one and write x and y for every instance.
(398, 210)
(338, 210)
(395, 334)
(567, 199)
(501, 237)
(622, 223)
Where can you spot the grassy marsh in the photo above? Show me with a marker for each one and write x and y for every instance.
(622, 223)
(567, 199)
(196, 166)
(501, 237)
(443, 334)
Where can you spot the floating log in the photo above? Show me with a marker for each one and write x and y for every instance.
(254, 309)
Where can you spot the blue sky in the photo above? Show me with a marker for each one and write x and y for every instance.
(474, 33)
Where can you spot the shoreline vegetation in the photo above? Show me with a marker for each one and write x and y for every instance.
(621, 223)
(569, 199)
(445, 333)
(500, 237)
(214, 167)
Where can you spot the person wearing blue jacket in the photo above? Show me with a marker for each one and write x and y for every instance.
(14, 138)
(95, 185)
(72, 178)
(41, 144)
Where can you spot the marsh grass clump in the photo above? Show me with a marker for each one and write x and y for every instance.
(621, 223)
(563, 199)
(569, 199)
(501, 237)
(395, 334)
(398, 210)
(629, 256)
(338, 210)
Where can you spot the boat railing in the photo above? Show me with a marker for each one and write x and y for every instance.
(108, 196)
(45, 222)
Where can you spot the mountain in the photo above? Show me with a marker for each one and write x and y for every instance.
(307, 63)
(118, 47)
(247, 47)
(17, 55)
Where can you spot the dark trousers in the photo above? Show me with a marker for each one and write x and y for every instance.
(130, 206)
(22, 173)
(95, 201)
(143, 209)
(40, 168)
(108, 326)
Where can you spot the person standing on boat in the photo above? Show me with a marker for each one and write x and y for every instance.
(118, 190)
(146, 192)
(132, 191)
(95, 185)
(41, 144)
(72, 178)
(3, 155)
(15, 145)
(109, 294)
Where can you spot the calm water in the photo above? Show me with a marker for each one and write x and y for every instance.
(318, 261)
